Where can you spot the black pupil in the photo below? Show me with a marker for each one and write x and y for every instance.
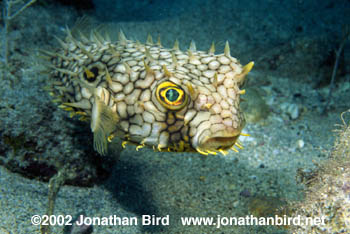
(94, 71)
(172, 95)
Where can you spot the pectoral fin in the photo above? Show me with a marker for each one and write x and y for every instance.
(103, 123)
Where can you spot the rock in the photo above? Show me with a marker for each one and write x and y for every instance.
(292, 110)
(300, 143)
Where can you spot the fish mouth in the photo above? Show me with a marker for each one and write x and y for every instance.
(218, 142)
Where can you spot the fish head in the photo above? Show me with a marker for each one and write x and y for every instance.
(202, 113)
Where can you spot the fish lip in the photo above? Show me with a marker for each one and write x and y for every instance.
(219, 140)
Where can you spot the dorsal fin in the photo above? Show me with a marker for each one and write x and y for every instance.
(227, 49)
(245, 70)
(212, 48)
(159, 43)
(192, 46)
(176, 45)
(121, 37)
(149, 39)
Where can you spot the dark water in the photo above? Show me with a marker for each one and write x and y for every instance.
(298, 16)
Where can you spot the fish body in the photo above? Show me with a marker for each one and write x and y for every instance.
(148, 95)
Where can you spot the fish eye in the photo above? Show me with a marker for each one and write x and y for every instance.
(171, 96)
(90, 74)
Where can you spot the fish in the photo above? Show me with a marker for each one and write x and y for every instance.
(150, 96)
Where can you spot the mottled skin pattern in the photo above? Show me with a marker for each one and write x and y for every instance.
(149, 95)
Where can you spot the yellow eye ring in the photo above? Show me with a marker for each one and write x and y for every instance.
(171, 96)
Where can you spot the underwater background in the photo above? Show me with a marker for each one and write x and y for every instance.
(48, 164)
